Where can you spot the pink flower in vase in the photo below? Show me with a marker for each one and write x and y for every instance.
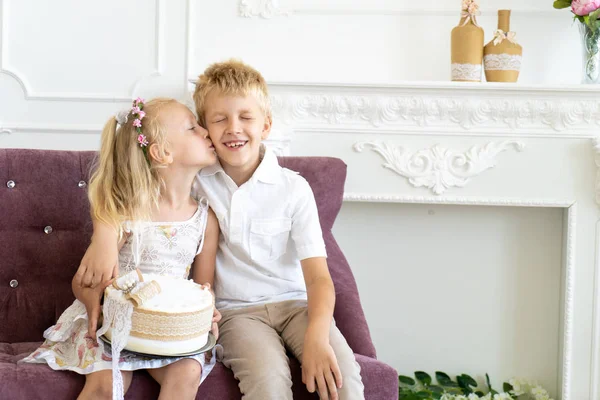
(584, 7)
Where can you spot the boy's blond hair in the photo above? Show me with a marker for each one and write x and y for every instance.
(231, 77)
(125, 185)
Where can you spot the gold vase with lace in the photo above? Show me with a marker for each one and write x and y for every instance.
(502, 55)
(467, 45)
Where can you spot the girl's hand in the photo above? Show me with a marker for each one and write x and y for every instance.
(100, 262)
(91, 299)
(215, 323)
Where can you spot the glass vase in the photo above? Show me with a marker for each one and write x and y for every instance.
(590, 46)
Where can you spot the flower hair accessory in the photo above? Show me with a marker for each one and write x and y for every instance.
(470, 10)
(138, 113)
(122, 117)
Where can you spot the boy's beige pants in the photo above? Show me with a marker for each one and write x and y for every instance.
(255, 339)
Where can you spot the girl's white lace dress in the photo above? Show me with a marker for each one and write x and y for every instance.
(165, 248)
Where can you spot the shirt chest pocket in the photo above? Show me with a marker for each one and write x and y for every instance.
(269, 238)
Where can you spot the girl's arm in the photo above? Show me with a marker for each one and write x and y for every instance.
(90, 297)
(204, 263)
(100, 262)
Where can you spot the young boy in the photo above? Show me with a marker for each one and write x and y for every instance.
(272, 282)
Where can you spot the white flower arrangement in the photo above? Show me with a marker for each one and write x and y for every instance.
(465, 388)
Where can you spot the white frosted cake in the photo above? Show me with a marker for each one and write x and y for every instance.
(171, 316)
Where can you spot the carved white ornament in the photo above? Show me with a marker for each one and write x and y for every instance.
(438, 168)
(262, 8)
(476, 110)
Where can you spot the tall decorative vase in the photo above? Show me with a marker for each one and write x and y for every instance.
(502, 55)
(467, 45)
(590, 45)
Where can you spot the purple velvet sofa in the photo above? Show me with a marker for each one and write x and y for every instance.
(44, 231)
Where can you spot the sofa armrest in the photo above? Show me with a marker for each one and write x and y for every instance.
(380, 380)
(348, 314)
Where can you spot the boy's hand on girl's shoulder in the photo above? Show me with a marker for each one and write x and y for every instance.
(99, 264)
(320, 369)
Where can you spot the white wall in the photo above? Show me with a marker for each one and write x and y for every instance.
(65, 67)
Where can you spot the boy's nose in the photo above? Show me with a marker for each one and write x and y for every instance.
(233, 127)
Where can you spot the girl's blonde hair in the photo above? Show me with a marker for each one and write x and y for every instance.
(125, 184)
(231, 77)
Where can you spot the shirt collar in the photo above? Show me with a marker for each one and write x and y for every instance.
(268, 170)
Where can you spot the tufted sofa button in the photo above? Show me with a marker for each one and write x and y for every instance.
(10, 184)
(48, 230)
(82, 184)
(14, 283)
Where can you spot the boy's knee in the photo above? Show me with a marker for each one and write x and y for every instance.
(352, 385)
(267, 384)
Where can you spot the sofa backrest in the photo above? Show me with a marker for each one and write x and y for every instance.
(45, 228)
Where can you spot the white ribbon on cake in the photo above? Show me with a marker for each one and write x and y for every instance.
(117, 312)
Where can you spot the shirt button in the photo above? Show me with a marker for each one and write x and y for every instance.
(48, 230)
(82, 184)
(10, 184)
(14, 283)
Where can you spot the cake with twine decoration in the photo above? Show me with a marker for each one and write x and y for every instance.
(171, 316)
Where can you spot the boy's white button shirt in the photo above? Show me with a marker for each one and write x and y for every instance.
(268, 225)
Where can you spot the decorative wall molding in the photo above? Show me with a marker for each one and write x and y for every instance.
(268, 9)
(51, 128)
(262, 8)
(568, 307)
(457, 200)
(438, 168)
(448, 106)
(280, 142)
(31, 94)
(596, 144)
(595, 384)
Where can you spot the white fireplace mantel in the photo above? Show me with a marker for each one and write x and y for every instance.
(477, 145)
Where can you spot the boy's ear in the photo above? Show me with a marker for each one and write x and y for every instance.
(161, 156)
(267, 127)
